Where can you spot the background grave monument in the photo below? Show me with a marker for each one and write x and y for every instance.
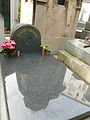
(1, 28)
(86, 31)
(27, 38)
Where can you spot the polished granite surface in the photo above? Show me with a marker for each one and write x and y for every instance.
(37, 88)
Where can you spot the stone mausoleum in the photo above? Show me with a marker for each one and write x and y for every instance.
(56, 20)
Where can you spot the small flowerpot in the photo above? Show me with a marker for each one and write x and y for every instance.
(44, 52)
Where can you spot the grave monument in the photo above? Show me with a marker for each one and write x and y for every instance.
(76, 56)
(86, 31)
(27, 38)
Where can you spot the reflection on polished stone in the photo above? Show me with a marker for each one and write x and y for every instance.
(76, 88)
(34, 85)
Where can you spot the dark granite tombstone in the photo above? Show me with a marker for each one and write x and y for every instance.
(27, 38)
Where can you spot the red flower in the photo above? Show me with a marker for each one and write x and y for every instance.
(8, 46)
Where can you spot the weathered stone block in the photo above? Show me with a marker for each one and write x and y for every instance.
(85, 33)
(79, 67)
(87, 26)
(64, 57)
(78, 34)
(76, 48)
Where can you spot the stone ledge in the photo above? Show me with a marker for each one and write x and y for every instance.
(3, 106)
(76, 48)
(76, 65)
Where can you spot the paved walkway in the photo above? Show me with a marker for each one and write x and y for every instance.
(37, 88)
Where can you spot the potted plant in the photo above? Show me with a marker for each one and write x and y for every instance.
(45, 49)
(8, 47)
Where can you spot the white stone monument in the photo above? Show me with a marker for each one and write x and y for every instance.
(26, 11)
(14, 12)
(1, 29)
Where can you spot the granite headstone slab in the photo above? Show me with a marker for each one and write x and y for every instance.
(27, 38)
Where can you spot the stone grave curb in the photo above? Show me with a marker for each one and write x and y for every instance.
(3, 105)
(76, 65)
(76, 48)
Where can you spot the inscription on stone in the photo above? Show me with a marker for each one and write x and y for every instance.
(27, 38)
